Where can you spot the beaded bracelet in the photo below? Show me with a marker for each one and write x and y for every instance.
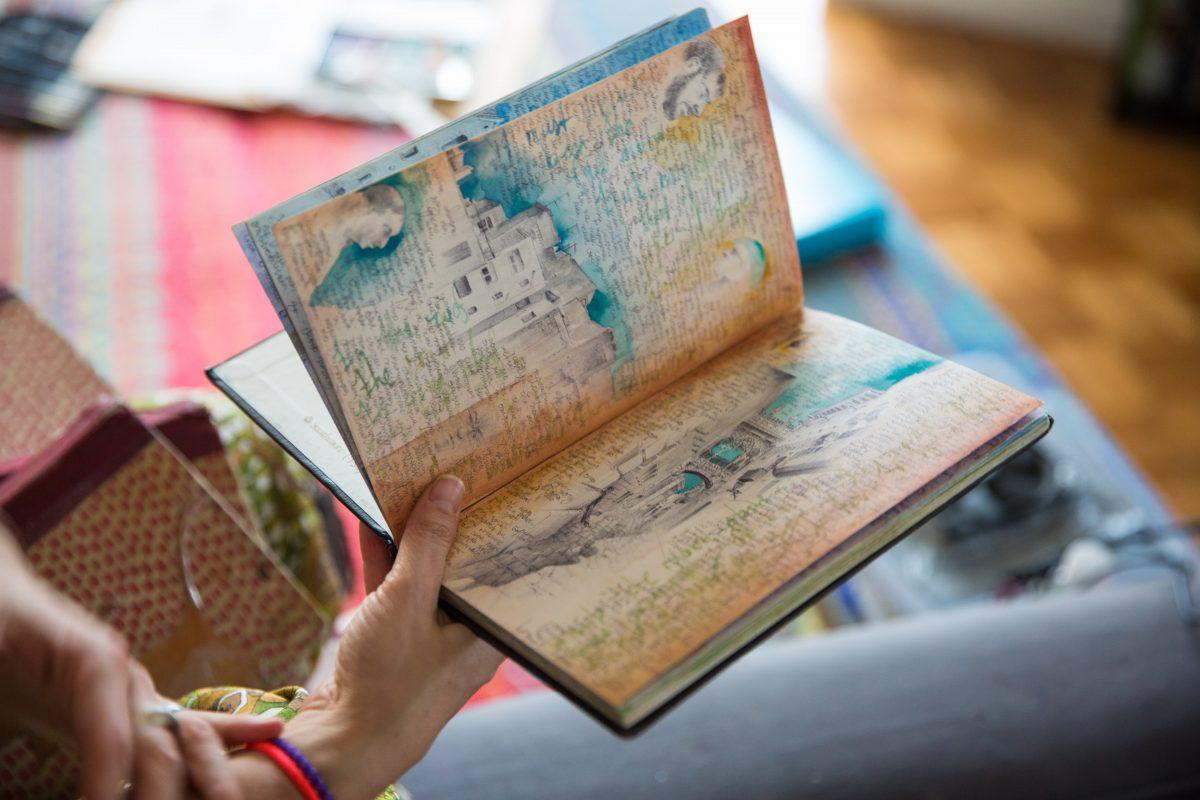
(298, 769)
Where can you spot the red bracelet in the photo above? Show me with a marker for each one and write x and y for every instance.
(287, 767)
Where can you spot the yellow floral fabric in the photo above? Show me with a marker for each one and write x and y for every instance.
(284, 703)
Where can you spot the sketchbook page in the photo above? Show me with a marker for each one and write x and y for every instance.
(269, 382)
(263, 250)
(621, 556)
(481, 310)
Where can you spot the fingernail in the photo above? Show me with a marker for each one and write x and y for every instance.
(447, 493)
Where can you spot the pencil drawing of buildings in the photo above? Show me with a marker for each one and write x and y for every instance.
(510, 281)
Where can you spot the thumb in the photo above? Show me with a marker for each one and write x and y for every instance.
(428, 534)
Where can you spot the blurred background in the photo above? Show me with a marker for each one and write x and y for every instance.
(1015, 185)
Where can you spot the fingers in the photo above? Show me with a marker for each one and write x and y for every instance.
(234, 729)
(376, 559)
(428, 534)
(204, 753)
(71, 675)
(167, 760)
(158, 769)
(101, 721)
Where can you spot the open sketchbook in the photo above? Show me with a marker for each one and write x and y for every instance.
(585, 301)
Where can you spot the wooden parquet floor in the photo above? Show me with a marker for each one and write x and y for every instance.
(1086, 232)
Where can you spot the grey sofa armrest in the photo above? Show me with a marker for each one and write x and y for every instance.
(1087, 695)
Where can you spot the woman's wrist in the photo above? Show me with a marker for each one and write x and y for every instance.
(257, 777)
(341, 753)
(350, 760)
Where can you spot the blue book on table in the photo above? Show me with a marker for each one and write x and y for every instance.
(836, 205)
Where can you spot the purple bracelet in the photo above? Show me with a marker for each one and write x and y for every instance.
(305, 766)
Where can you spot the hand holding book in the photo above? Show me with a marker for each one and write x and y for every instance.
(402, 669)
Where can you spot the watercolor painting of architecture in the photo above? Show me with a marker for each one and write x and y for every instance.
(510, 281)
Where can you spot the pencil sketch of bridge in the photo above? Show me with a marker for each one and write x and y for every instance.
(658, 489)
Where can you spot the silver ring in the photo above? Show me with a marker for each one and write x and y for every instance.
(165, 715)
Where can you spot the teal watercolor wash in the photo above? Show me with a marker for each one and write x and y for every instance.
(758, 261)
(605, 309)
(902, 372)
(354, 278)
(725, 452)
(493, 167)
(819, 385)
(688, 482)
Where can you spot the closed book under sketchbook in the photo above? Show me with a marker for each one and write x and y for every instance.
(586, 302)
